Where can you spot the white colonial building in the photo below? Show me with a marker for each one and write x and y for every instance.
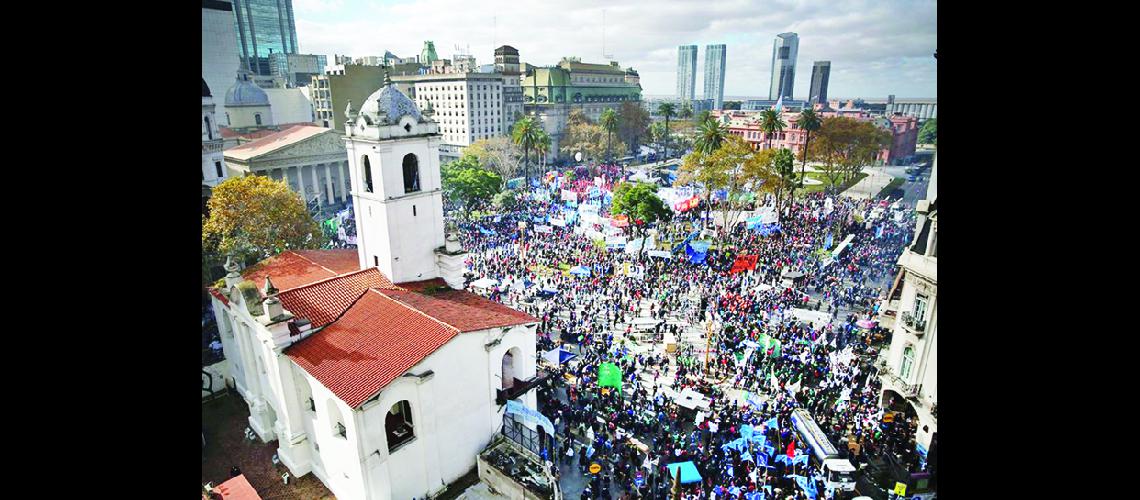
(247, 105)
(910, 368)
(213, 165)
(368, 369)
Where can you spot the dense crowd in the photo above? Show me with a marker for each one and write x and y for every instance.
(764, 360)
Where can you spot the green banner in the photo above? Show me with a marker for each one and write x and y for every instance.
(609, 375)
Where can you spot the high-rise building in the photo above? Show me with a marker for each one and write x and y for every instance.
(264, 27)
(714, 74)
(219, 46)
(340, 84)
(819, 73)
(784, 51)
(686, 72)
(293, 70)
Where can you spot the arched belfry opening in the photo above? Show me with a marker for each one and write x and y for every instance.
(411, 173)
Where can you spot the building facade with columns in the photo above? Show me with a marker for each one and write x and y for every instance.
(311, 159)
(385, 379)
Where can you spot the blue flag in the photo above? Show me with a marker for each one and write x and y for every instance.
(827, 244)
(773, 423)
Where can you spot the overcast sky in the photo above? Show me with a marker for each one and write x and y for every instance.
(876, 48)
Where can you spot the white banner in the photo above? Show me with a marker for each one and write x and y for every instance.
(558, 222)
(568, 195)
(545, 229)
(660, 253)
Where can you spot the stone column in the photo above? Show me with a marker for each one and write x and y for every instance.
(301, 180)
(343, 185)
(328, 182)
(316, 184)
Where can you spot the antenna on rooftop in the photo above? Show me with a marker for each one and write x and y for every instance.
(604, 54)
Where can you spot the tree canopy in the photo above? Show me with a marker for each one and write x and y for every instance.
(257, 217)
(640, 202)
(928, 134)
(498, 154)
(465, 181)
(633, 124)
(845, 145)
(582, 135)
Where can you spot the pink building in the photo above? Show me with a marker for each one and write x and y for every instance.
(904, 131)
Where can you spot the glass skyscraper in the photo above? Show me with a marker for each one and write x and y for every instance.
(686, 72)
(819, 73)
(714, 74)
(784, 51)
(264, 27)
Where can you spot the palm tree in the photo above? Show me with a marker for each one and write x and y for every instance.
(687, 110)
(710, 135)
(609, 123)
(809, 122)
(542, 145)
(668, 110)
(770, 123)
(525, 135)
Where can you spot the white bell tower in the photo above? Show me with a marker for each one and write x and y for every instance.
(393, 157)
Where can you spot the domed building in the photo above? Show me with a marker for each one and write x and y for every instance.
(247, 105)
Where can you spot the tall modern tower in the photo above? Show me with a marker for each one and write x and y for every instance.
(686, 72)
(264, 27)
(819, 73)
(784, 51)
(714, 74)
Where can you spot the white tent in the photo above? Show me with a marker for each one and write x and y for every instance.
(484, 283)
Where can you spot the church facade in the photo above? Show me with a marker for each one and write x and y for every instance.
(372, 368)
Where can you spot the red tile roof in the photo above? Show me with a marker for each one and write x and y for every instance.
(237, 488)
(340, 261)
(277, 140)
(460, 309)
(291, 269)
(323, 301)
(373, 343)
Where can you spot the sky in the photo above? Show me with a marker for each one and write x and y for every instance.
(876, 48)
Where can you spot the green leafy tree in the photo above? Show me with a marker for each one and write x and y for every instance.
(505, 200)
(583, 136)
(468, 183)
(639, 201)
(771, 123)
(702, 117)
(668, 110)
(845, 146)
(928, 134)
(731, 105)
(254, 217)
(525, 134)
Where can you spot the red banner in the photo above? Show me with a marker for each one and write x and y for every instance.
(744, 263)
(688, 204)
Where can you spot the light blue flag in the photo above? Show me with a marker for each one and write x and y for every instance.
(772, 423)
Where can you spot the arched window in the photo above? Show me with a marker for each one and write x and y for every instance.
(367, 175)
(209, 130)
(336, 420)
(227, 118)
(398, 425)
(508, 367)
(907, 362)
(411, 173)
(257, 118)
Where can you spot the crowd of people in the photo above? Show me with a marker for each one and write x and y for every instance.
(763, 359)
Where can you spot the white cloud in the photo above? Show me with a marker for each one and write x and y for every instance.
(875, 47)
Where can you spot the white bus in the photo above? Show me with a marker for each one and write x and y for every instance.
(838, 473)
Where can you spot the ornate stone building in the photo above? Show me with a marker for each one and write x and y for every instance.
(310, 158)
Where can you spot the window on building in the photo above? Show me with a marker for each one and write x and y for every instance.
(257, 118)
(398, 425)
(218, 166)
(920, 308)
(411, 173)
(209, 130)
(907, 363)
(367, 175)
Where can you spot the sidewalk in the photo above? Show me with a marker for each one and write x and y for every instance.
(869, 186)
